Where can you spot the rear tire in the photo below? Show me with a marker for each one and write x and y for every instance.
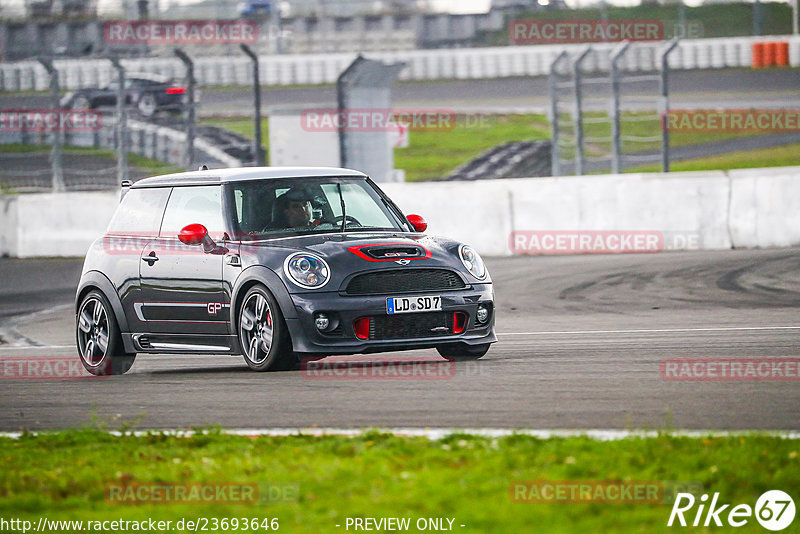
(263, 336)
(460, 352)
(81, 102)
(98, 338)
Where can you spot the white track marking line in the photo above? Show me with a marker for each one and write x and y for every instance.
(440, 433)
(651, 330)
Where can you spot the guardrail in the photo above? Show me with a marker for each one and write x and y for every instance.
(464, 63)
(680, 211)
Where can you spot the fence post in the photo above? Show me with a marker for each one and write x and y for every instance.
(616, 140)
(258, 151)
(56, 152)
(190, 118)
(555, 148)
(576, 74)
(122, 123)
(665, 103)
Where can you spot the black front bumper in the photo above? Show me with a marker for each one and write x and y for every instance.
(388, 332)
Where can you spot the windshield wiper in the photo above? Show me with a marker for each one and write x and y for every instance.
(344, 208)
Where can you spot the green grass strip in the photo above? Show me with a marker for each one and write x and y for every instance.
(63, 475)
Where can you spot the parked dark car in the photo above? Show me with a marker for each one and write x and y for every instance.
(252, 8)
(148, 93)
(279, 265)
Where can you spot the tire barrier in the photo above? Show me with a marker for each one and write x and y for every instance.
(437, 64)
(770, 54)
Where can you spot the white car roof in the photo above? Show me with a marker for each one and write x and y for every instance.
(244, 173)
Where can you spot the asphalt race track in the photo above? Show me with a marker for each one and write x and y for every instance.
(581, 343)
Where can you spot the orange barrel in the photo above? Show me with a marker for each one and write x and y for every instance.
(782, 54)
(769, 53)
(758, 55)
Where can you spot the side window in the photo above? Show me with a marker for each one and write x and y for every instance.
(253, 205)
(139, 213)
(238, 201)
(189, 205)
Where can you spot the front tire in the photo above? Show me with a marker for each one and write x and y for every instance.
(98, 338)
(147, 105)
(463, 353)
(263, 335)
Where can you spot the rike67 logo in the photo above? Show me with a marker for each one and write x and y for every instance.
(774, 510)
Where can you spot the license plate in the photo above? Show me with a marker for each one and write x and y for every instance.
(413, 304)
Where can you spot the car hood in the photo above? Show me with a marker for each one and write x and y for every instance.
(357, 246)
(351, 253)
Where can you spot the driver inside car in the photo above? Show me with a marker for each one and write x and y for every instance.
(298, 213)
(292, 210)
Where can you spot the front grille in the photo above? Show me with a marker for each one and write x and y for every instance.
(397, 281)
(412, 325)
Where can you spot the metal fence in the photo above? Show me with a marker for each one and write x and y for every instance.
(37, 160)
(601, 113)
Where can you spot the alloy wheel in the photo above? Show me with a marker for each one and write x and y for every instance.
(93, 332)
(256, 328)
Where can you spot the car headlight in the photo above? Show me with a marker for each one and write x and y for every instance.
(472, 261)
(307, 270)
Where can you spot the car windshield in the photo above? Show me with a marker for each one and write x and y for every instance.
(265, 209)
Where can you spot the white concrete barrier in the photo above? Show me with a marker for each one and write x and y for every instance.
(476, 212)
(692, 210)
(765, 207)
(748, 208)
(49, 225)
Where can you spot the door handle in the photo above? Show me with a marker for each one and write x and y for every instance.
(150, 258)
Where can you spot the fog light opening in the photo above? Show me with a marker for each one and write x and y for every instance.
(322, 322)
(482, 315)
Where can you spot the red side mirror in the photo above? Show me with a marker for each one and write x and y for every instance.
(417, 222)
(193, 234)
